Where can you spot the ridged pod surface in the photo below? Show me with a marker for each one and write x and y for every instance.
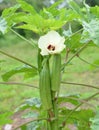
(56, 72)
(45, 87)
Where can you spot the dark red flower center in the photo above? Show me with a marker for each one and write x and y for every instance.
(51, 47)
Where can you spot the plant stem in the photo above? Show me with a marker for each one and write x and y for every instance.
(17, 83)
(76, 53)
(87, 61)
(54, 123)
(87, 85)
(28, 41)
(87, 99)
(82, 101)
(32, 120)
(67, 53)
(15, 58)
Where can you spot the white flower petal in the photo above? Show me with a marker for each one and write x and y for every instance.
(44, 52)
(42, 41)
(51, 43)
(53, 37)
(60, 46)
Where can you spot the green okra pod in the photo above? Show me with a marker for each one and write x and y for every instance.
(45, 86)
(56, 72)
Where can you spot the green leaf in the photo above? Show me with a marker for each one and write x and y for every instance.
(68, 33)
(24, 127)
(33, 103)
(91, 32)
(10, 11)
(80, 118)
(5, 118)
(76, 8)
(56, 4)
(30, 114)
(53, 10)
(2, 61)
(9, 14)
(27, 7)
(73, 42)
(95, 64)
(29, 27)
(95, 11)
(37, 24)
(23, 69)
(32, 22)
(69, 99)
(31, 126)
(95, 121)
(3, 25)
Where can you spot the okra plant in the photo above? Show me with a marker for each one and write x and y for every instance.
(56, 40)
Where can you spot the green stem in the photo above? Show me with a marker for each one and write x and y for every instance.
(86, 85)
(15, 58)
(23, 38)
(54, 123)
(55, 87)
(76, 53)
(75, 33)
(82, 101)
(87, 62)
(32, 120)
(87, 99)
(17, 83)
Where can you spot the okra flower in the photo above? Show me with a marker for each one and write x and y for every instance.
(8, 127)
(51, 43)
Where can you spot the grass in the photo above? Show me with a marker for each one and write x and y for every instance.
(12, 96)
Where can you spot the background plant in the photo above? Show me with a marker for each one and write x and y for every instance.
(57, 19)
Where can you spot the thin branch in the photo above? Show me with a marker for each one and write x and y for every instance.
(87, 61)
(82, 101)
(22, 37)
(86, 85)
(32, 120)
(92, 96)
(15, 58)
(68, 50)
(67, 53)
(87, 99)
(75, 54)
(16, 83)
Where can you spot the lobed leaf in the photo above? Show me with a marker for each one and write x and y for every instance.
(95, 11)
(95, 64)
(5, 118)
(27, 7)
(22, 69)
(76, 8)
(3, 25)
(80, 118)
(31, 126)
(71, 99)
(32, 103)
(95, 121)
(10, 11)
(73, 42)
(91, 32)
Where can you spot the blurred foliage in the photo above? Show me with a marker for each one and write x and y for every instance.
(92, 2)
(39, 4)
(47, 16)
(95, 121)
